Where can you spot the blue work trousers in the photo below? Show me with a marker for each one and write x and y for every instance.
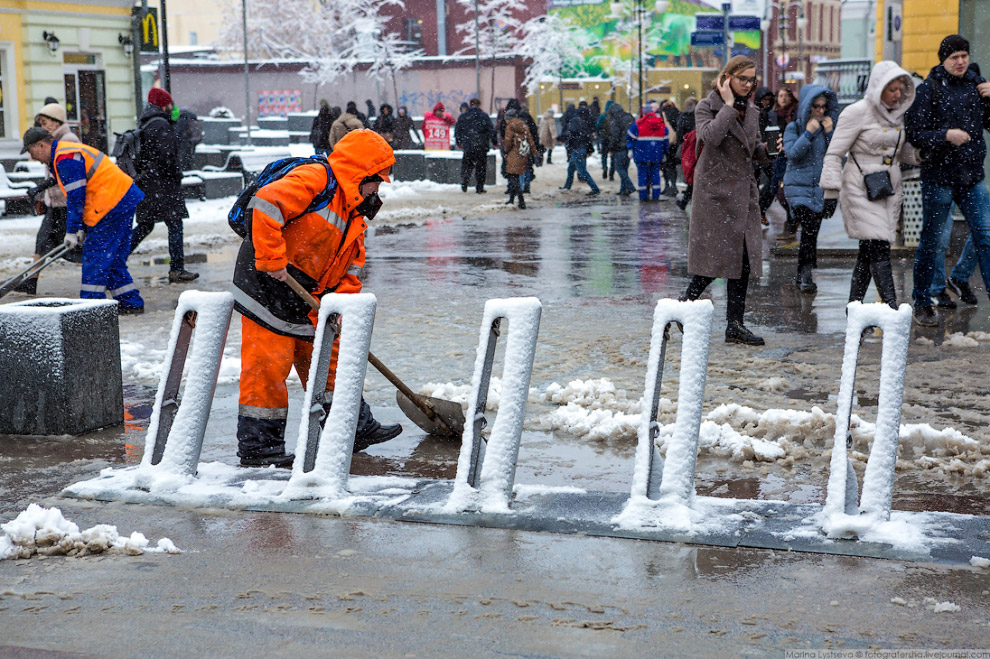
(104, 260)
(649, 177)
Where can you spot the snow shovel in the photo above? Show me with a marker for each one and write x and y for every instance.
(33, 269)
(436, 416)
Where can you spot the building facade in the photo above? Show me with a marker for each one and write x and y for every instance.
(801, 33)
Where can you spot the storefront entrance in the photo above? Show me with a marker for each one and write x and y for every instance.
(86, 99)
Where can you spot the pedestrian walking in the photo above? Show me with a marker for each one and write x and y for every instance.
(277, 326)
(520, 147)
(101, 198)
(474, 133)
(436, 129)
(548, 134)
(668, 166)
(946, 122)
(384, 123)
(617, 124)
(319, 134)
(349, 120)
(687, 149)
(537, 152)
(51, 233)
(160, 178)
(602, 137)
(869, 137)
(403, 127)
(805, 142)
(649, 142)
(783, 114)
(725, 237)
(580, 142)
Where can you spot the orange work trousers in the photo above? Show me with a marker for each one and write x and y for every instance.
(267, 359)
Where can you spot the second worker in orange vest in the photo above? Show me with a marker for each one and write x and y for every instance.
(324, 251)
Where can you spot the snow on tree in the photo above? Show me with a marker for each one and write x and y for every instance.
(555, 49)
(497, 30)
(332, 36)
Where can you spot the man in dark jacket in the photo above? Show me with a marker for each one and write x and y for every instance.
(669, 165)
(580, 142)
(617, 124)
(474, 133)
(160, 178)
(319, 134)
(951, 110)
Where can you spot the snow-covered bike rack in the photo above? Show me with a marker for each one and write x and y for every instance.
(176, 431)
(841, 505)
(485, 473)
(677, 476)
(323, 453)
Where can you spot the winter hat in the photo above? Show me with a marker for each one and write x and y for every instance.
(952, 44)
(351, 107)
(160, 97)
(53, 111)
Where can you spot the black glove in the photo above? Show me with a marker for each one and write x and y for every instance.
(37, 190)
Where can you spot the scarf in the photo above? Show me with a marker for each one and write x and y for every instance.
(739, 104)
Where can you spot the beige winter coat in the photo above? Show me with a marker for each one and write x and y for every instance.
(725, 213)
(548, 130)
(53, 195)
(870, 132)
(345, 123)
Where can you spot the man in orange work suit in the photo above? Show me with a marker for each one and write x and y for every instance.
(324, 251)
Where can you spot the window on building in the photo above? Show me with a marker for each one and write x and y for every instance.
(414, 31)
(193, 39)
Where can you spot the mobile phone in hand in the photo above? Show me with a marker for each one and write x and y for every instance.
(770, 136)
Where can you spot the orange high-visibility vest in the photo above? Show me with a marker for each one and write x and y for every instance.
(106, 184)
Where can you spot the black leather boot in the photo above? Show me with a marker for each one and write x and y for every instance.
(883, 277)
(736, 332)
(860, 281)
(29, 286)
(805, 282)
(371, 432)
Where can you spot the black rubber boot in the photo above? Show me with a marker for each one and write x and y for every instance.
(512, 200)
(371, 432)
(860, 281)
(29, 286)
(883, 277)
(522, 202)
(261, 443)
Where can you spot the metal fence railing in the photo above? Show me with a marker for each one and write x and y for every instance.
(846, 77)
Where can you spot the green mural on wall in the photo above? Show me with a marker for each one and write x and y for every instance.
(666, 37)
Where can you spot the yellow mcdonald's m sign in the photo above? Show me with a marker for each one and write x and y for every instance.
(147, 28)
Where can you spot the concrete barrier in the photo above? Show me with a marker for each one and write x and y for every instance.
(60, 365)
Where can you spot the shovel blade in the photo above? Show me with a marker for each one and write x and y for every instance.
(450, 415)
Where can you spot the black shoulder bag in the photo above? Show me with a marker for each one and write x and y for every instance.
(878, 184)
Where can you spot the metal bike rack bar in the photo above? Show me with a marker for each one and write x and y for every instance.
(175, 433)
(878, 481)
(677, 477)
(323, 455)
(485, 474)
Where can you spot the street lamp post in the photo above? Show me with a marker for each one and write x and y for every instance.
(783, 23)
(660, 6)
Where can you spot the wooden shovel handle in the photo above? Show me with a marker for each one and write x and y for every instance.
(374, 361)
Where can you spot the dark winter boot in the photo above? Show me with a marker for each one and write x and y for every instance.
(512, 200)
(29, 286)
(371, 432)
(522, 202)
(261, 443)
(860, 281)
(883, 277)
(736, 332)
(805, 282)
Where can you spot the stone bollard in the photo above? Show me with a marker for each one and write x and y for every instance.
(59, 367)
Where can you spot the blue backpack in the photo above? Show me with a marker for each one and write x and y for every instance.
(238, 216)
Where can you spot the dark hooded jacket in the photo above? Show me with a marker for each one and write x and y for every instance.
(319, 135)
(158, 168)
(617, 123)
(580, 131)
(565, 120)
(474, 131)
(384, 123)
(806, 151)
(762, 93)
(944, 101)
(403, 126)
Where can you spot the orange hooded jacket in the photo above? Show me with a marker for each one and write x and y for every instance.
(320, 249)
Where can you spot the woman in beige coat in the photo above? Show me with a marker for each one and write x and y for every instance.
(725, 236)
(548, 133)
(871, 133)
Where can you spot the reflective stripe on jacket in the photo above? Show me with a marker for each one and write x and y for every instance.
(106, 184)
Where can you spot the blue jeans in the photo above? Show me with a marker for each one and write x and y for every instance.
(576, 164)
(936, 201)
(621, 161)
(966, 264)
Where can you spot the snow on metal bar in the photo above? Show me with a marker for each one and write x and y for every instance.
(677, 480)
(841, 516)
(175, 433)
(323, 460)
(485, 474)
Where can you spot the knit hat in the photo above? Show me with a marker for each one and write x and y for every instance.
(160, 97)
(952, 44)
(53, 111)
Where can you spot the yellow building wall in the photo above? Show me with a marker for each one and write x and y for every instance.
(926, 23)
(10, 31)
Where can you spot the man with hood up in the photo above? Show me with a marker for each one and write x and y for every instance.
(806, 140)
(322, 250)
(436, 129)
(946, 122)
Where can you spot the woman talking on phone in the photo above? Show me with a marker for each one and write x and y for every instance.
(725, 235)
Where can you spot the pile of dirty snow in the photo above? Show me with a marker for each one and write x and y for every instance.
(45, 531)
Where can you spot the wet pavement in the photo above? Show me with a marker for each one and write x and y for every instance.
(251, 582)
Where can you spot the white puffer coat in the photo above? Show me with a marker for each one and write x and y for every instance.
(869, 131)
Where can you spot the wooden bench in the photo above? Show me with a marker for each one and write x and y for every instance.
(14, 195)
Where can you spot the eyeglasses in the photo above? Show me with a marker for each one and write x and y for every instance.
(819, 106)
(746, 81)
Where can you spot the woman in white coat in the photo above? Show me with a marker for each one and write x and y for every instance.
(871, 133)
